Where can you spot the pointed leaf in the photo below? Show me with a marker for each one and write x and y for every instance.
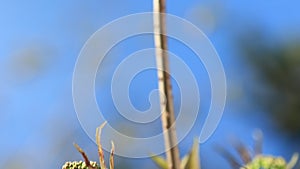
(161, 162)
(184, 161)
(193, 161)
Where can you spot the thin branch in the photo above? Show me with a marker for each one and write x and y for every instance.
(111, 158)
(100, 151)
(85, 157)
(227, 155)
(243, 152)
(164, 85)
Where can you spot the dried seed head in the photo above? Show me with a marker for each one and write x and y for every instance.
(80, 165)
(87, 164)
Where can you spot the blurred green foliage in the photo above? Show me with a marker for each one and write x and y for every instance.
(270, 162)
(255, 159)
(276, 66)
(189, 161)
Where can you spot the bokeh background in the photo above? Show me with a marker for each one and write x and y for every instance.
(258, 43)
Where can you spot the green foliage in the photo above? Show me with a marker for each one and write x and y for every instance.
(270, 162)
(161, 162)
(190, 161)
(276, 65)
(257, 160)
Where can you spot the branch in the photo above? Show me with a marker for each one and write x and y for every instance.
(164, 85)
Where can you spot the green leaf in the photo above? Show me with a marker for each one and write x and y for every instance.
(193, 158)
(190, 161)
(161, 162)
(184, 161)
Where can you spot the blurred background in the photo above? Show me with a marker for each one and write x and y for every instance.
(257, 41)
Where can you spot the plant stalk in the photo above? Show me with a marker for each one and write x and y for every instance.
(164, 84)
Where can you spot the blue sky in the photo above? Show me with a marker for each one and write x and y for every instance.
(36, 90)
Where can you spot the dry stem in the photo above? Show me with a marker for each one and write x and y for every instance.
(164, 85)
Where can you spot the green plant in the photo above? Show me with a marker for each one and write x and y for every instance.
(271, 162)
(190, 161)
(258, 160)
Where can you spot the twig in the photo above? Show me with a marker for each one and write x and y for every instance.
(100, 151)
(111, 158)
(85, 157)
(164, 85)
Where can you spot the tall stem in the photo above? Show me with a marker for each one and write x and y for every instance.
(164, 85)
